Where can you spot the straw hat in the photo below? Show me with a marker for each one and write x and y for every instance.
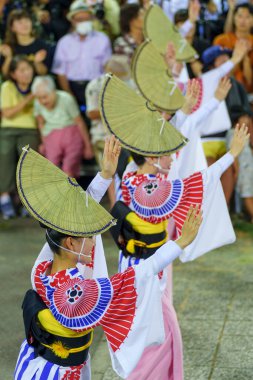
(78, 6)
(160, 30)
(154, 80)
(136, 122)
(57, 200)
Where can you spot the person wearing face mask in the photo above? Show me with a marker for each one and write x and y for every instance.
(80, 55)
(67, 302)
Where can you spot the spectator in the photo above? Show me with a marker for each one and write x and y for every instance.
(131, 26)
(199, 44)
(52, 16)
(21, 40)
(80, 55)
(244, 174)
(18, 126)
(64, 135)
(243, 21)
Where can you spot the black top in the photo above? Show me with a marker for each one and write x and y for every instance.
(31, 50)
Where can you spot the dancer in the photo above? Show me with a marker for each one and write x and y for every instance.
(150, 199)
(64, 307)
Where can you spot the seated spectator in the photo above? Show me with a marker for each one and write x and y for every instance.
(244, 173)
(18, 126)
(131, 26)
(21, 40)
(64, 135)
(119, 66)
(199, 44)
(243, 21)
(80, 55)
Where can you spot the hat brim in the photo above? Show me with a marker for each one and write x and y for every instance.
(160, 30)
(70, 14)
(57, 200)
(135, 122)
(154, 80)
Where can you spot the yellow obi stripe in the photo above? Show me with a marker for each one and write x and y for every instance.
(146, 228)
(50, 324)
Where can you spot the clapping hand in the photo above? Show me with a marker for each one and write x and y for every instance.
(110, 157)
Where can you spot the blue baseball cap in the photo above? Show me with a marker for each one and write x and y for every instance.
(210, 54)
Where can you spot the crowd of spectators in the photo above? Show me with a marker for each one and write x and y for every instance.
(53, 58)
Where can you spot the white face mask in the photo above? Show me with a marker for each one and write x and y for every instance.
(84, 28)
(70, 250)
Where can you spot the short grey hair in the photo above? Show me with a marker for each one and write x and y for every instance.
(46, 81)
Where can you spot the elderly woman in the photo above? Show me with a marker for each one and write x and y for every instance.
(64, 134)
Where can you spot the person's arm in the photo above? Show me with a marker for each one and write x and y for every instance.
(39, 65)
(88, 152)
(194, 9)
(10, 112)
(6, 52)
(240, 139)
(102, 180)
(240, 50)
(247, 70)
(196, 119)
(64, 83)
(171, 250)
(229, 19)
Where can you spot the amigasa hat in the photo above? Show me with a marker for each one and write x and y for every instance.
(136, 122)
(154, 80)
(160, 30)
(57, 200)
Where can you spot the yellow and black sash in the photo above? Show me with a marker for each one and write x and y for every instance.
(133, 235)
(50, 339)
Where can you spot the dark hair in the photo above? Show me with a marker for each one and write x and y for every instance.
(181, 16)
(52, 237)
(16, 14)
(244, 5)
(138, 159)
(16, 60)
(128, 13)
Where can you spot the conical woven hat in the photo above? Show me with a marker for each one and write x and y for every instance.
(153, 79)
(57, 200)
(135, 122)
(160, 30)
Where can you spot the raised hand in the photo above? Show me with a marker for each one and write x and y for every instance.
(223, 89)
(191, 96)
(110, 157)
(6, 51)
(242, 47)
(240, 139)
(194, 10)
(191, 226)
(170, 55)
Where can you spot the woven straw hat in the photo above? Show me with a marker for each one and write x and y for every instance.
(160, 30)
(154, 80)
(57, 200)
(78, 6)
(136, 122)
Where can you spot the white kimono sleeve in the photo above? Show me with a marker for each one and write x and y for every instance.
(216, 229)
(148, 325)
